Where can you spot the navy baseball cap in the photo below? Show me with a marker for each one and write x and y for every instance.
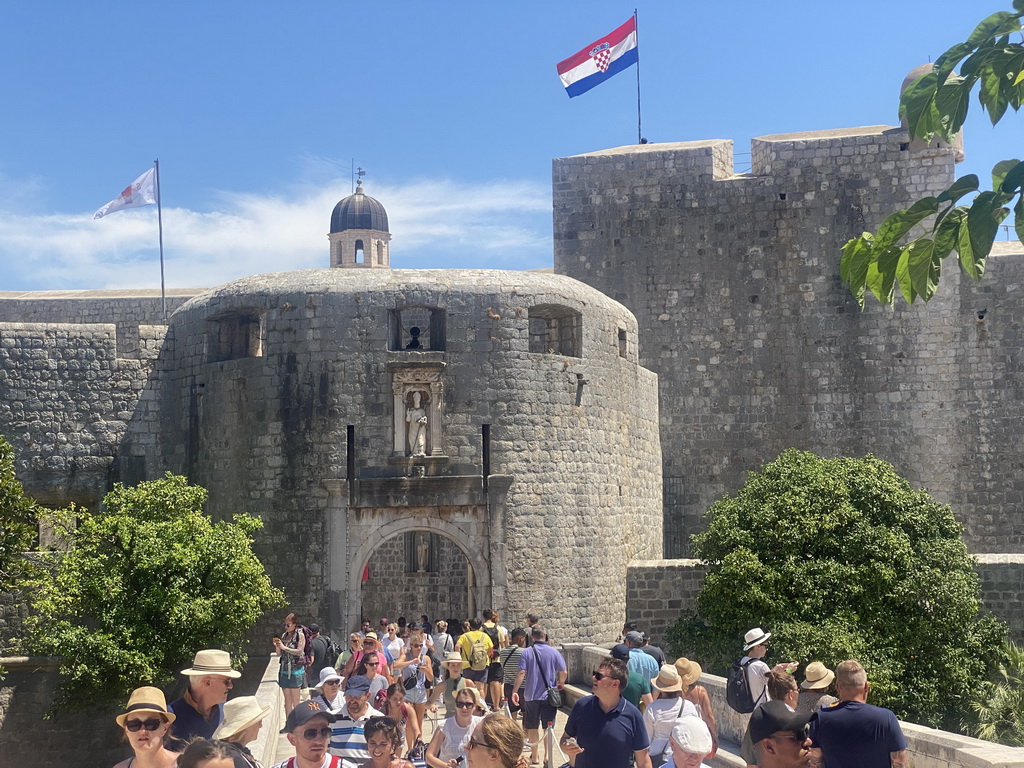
(304, 712)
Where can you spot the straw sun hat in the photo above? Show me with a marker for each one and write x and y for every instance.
(668, 679)
(688, 670)
(817, 677)
(239, 714)
(146, 700)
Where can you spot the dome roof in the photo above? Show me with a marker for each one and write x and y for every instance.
(359, 211)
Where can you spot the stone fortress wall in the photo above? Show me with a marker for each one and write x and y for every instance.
(734, 280)
(278, 394)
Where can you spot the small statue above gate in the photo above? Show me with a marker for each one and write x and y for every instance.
(418, 399)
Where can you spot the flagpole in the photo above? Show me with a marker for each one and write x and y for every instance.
(639, 125)
(160, 229)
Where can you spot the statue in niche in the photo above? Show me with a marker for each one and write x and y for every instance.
(416, 431)
(415, 343)
(422, 552)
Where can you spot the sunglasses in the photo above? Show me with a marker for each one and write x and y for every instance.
(470, 744)
(799, 738)
(316, 733)
(373, 663)
(150, 725)
(465, 704)
(598, 675)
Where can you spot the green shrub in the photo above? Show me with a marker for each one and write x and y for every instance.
(18, 514)
(841, 558)
(1000, 709)
(146, 581)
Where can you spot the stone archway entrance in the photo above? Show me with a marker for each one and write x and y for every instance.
(463, 514)
(416, 573)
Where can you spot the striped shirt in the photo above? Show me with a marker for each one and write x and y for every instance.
(347, 739)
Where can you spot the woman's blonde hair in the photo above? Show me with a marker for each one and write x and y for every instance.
(441, 625)
(390, 627)
(502, 734)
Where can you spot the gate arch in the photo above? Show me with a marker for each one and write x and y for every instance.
(470, 536)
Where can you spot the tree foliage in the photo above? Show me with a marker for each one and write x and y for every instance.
(841, 558)
(18, 514)
(1000, 708)
(936, 104)
(146, 581)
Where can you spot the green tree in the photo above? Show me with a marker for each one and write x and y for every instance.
(146, 581)
(936, 104)
(1000, 709)
(18, 514)
(841, 558)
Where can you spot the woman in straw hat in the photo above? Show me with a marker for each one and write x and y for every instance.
(243, 717)
(146, 721)
(814, 689)
(662, 713)
(690, 673)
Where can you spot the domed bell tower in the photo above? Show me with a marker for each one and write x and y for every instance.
(359, 232)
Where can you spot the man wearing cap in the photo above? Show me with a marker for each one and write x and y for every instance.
(347, 739)
(690, 742)
(638, 688)
(853, 733)
(201, 709)
(308, 729)
(640, 662)
(779, 736)
(605, 729)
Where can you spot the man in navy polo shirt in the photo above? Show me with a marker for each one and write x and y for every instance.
(853, 733)
(605, 729)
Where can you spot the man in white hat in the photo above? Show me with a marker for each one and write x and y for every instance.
(755, 647)
(690, 742)
(201, 710)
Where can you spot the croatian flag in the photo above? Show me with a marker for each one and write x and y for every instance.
(600, 60)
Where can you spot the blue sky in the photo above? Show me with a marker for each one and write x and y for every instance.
(256, 111)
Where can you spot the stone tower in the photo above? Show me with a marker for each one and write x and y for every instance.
(359, 232)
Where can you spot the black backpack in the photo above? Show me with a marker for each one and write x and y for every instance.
(737, 688)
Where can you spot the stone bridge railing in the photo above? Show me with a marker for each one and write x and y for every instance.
(929, 747)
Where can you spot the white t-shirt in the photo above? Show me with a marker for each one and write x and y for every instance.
(757, 679)
(660, 717)
(455, 738)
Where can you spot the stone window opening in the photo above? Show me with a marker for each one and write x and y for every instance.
(236, 335)
(360, 256)
(623, 349)
(380, 252)
(416, 329)
(555, 330)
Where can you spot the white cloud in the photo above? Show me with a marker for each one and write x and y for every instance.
(500, 224)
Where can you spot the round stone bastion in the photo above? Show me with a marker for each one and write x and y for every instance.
(468, 439)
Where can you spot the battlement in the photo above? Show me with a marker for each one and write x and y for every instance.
(864, 151)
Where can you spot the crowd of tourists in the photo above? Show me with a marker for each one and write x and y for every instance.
(366, 704)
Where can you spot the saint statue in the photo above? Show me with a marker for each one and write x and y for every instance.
(416, 432)
(422, 552)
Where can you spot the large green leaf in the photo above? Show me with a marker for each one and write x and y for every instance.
(1000, 171)
(947, 233)
(999, 23)
(853, 267)
(951, 102)
(903, 278)
(896, 225)
(991, 96)
(962, 186)
(1011, 180)
(1018, 6)
(916, 104)
(923, 267)
(881, 284)
(1018, 217)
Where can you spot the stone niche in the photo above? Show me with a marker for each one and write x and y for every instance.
(418, 394)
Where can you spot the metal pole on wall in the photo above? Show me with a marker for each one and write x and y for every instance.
(160, 229)
(639, 123)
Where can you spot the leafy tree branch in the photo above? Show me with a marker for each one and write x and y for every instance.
(936, 104)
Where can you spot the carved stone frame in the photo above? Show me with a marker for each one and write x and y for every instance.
(422, 378)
